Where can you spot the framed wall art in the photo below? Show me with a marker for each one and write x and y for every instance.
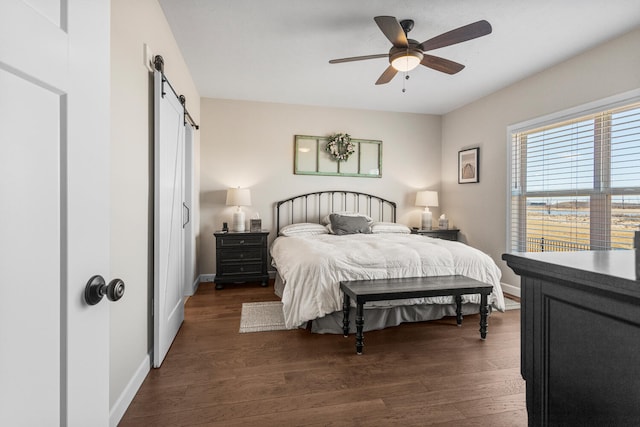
(255, 225)
(469, 166)
(311, 157)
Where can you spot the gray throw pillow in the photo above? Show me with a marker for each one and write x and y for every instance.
(342, 225)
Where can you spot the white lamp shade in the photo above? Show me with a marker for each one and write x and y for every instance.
(427, 198)
(238, 197)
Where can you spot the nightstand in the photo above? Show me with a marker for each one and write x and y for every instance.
(446, 234)
(241, 257)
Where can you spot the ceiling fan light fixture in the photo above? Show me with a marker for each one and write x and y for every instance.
(406, 61)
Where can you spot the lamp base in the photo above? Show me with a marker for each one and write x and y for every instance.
(427, 219)
(238, 221)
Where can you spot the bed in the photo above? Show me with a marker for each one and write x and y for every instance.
(330, 236)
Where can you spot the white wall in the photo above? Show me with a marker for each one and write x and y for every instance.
(480, 209)
(250, 144)
(134, 23)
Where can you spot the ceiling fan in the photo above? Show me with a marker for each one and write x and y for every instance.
(406, 54)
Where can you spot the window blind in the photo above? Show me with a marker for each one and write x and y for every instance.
(575, 184)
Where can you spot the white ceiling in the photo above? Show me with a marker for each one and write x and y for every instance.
(278, 50)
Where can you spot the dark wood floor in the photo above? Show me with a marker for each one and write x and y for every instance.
(429, 373)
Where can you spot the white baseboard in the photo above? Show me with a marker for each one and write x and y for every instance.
(190, 290)
(126, 397)
(510, 289)
(206, 278)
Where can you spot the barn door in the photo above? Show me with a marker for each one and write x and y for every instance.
(189, 235)
(54, 211)
(169, 217)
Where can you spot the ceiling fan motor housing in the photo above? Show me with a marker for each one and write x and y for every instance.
(411, 50)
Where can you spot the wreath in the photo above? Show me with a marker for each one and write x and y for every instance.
(340, 146)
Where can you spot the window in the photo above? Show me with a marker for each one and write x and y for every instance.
(575, 184)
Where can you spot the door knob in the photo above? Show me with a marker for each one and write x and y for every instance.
(96, 289)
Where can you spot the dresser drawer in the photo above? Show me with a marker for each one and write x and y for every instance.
(248, 254)
(241, 268)
(239, 241)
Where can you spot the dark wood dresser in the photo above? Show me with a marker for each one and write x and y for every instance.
(241, 257)
(580, 337)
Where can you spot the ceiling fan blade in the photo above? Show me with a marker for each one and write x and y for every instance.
(441, 64)
(386, 77)
(392, 29)
(358, 58)
(462, 34)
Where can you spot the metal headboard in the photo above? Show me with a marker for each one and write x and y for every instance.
(312, 207)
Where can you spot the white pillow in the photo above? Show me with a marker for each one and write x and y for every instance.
(389, 227)
(327, 219)
(303, 229)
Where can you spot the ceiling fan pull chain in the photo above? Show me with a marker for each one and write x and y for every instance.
(406, 77)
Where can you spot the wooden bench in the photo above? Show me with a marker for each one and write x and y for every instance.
(363, 291)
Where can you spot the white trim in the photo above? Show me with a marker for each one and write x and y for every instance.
(508, 225)
(194, 286)
(206, 278)
(126, 397)
(191, 288)
(510, 289)
(610, 102)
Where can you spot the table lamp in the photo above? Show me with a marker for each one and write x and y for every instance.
(426, 199)
(238, 197)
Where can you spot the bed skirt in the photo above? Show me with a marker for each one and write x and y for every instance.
(380, 318)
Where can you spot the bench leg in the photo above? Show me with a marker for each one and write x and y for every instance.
(484, 312)
(459, 310)
(359, 328)
(346, 306)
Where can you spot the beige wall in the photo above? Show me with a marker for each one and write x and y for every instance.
(480, 209)
(250, 144)
(134, 23)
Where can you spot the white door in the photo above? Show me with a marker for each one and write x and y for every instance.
(54, 211)
(189, 235)
(168, 219)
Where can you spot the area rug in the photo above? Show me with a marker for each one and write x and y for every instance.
(267, 316)
(511, 304)
(262, 316)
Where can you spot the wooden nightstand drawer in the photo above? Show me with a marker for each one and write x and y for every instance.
(242, 268)
(240, 240)
(249, 254)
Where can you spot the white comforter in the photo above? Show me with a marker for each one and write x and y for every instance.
(313, 266)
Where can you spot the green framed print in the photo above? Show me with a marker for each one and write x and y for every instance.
(338, 155)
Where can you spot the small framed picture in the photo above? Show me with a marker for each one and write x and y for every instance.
(255, 225)
(469, 166)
